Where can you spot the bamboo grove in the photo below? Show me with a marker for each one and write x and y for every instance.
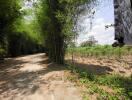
(50, 31)
(58, 20)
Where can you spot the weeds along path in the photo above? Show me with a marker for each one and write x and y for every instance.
(33, 77)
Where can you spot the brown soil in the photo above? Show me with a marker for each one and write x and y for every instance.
(104, 66)
(33, 77)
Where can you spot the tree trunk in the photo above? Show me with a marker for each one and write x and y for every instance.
(55, 39)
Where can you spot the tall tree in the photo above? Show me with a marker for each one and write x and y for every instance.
(57, 20)
(9, 12)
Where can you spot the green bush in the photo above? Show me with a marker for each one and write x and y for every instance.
(121, 85)
(2, 53)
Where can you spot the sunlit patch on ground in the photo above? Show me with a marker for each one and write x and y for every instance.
(31, 68)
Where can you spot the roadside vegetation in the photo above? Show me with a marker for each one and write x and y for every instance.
(97, 85)
(103, 87)
(99, 51)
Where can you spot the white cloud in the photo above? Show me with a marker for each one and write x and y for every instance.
(102, 35)
(101, 18)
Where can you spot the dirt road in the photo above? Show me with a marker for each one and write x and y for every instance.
(33, 77)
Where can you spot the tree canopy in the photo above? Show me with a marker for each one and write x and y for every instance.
(53, 26)
(57, 19)
(9, 13)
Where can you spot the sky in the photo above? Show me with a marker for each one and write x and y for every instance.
(104, 15)
(28, 5)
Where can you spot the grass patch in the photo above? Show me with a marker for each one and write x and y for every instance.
(121, 85)
(100, 51)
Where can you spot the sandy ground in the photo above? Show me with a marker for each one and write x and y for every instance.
(33, 77)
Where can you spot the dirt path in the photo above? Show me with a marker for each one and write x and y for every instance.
(33, 77)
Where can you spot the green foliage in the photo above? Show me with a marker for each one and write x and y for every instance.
(121, 85)
(57, 19)
(22, 43)
(2, 53)
(10, 11)
(82, 73)
(100, 51)
(17, 34)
